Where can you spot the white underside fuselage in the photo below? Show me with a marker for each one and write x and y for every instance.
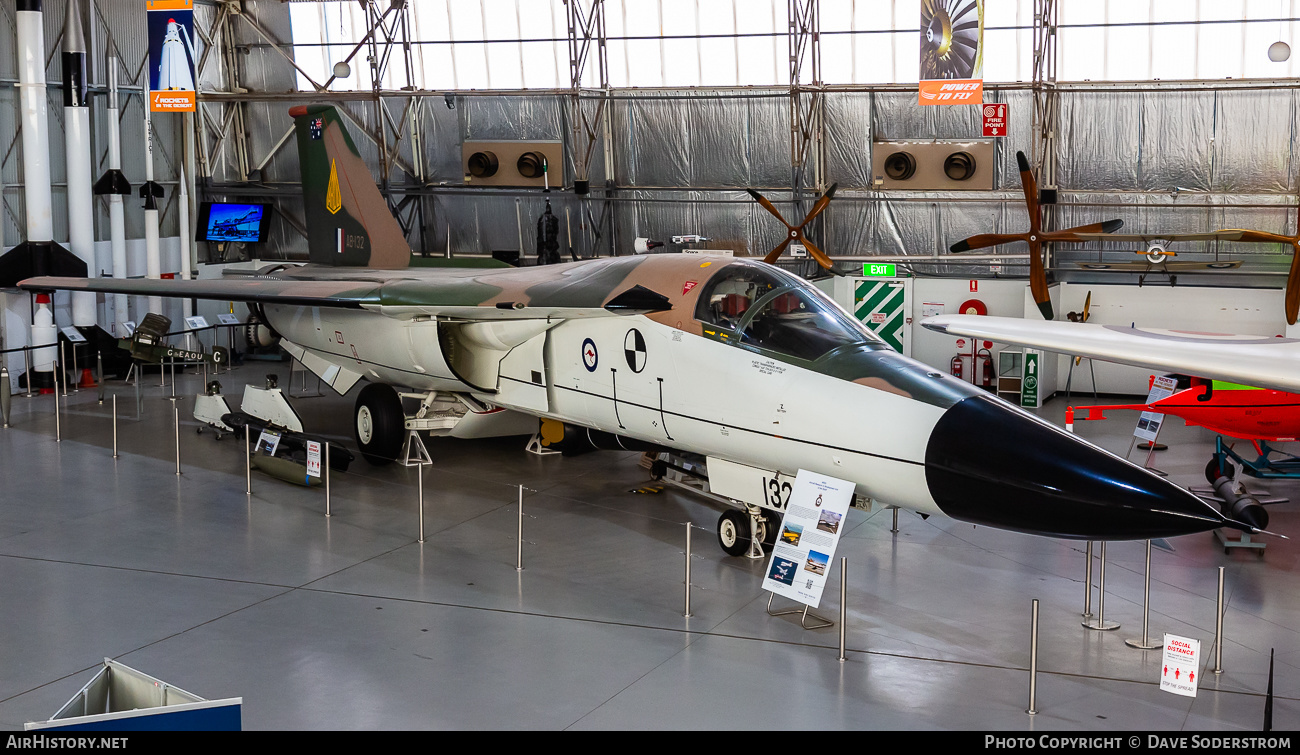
(681, 390)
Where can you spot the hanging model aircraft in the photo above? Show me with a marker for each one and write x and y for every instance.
(1157, 252)
(731, 359)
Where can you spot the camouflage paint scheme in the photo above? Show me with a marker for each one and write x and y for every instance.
(614, 345)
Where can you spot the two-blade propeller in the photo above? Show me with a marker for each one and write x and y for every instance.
(795, 232)
(1292, 276)
(1035, 237)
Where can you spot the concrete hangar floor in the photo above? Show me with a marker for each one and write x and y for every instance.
(350, 623)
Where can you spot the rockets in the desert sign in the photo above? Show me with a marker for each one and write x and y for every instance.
(171, 55)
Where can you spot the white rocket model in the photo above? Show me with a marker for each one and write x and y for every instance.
(151, 192)
(38, 254)
(76, 140)
(115, 185)
(174, 66)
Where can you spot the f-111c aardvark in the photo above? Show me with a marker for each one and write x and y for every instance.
(732, 359)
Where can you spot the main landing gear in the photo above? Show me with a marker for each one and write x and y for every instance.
(736, 531)
(380, 424)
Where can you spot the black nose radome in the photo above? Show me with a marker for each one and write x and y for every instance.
(988, 463)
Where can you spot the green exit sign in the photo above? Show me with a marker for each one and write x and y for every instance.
(883, 270)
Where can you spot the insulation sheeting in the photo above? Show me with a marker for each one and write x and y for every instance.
(701, 140)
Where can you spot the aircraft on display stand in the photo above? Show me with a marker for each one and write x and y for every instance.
(732, 359)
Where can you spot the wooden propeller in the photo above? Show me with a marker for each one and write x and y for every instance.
(1292, 278)
(795, 232)
(1035, 237)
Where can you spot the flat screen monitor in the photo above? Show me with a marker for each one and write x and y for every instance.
(233, 221)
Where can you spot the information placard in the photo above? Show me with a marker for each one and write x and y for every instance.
(72, 334)
(1148, 425)
(268, 441)
(1180, 665)
(810, 530)
(313, 458)
(227, 319)
(196, 322)
(129, 327)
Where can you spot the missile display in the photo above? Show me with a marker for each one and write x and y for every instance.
(37, 254)
(76, 140)
(151, 192)
(115, 186)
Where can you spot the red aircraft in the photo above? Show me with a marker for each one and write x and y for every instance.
(1225, 408)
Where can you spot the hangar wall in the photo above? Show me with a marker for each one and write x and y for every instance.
(1162, 155)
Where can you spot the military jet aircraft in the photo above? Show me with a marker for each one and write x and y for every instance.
(732, 359)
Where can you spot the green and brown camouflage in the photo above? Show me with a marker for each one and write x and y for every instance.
(349, 224)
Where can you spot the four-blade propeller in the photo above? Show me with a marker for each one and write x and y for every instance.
(1035, 237)
(795, 232)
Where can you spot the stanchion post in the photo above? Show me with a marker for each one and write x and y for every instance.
(894, 529)
(176, 420)
(1102, 625)
(1033, 661)
(62, 361)
(99, 374)
(1145, 643)
(687, 613)
(844, 602)
(173, 368)
(58, 431)
(519, 547)
(114, 425)
(1218, 628)
(76, 387)
(327, 479)
(248, 462)
(1087, 585)
(27, 363)
(419, 482)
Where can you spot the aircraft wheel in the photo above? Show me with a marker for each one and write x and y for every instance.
(1212, 469)
(379, 424)
(733, 533)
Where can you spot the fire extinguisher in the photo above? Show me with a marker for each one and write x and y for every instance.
(955, 367)
(986, 379)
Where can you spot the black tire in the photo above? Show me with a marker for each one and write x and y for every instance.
(733, 533)
(1217, 466)
(378, 422)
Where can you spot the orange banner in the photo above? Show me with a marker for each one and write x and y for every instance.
(178, 101)
(952, 92)
(170, 5)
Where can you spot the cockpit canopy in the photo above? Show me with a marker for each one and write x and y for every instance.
(765, 308)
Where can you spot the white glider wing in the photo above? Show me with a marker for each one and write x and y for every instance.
(1257, 361)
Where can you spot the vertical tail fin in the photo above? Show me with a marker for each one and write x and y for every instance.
(348, 221)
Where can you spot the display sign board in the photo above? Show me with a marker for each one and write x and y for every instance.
(1180, 665)
(129, 327)
(313, 458)
(810, 530)
(225, 319)
(952, 53)
(171, 56)
(1148, 426)
(879, 270)
(995, 119)
(1029, 380)
(268, 441)
(72, 334)
(196, 322)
